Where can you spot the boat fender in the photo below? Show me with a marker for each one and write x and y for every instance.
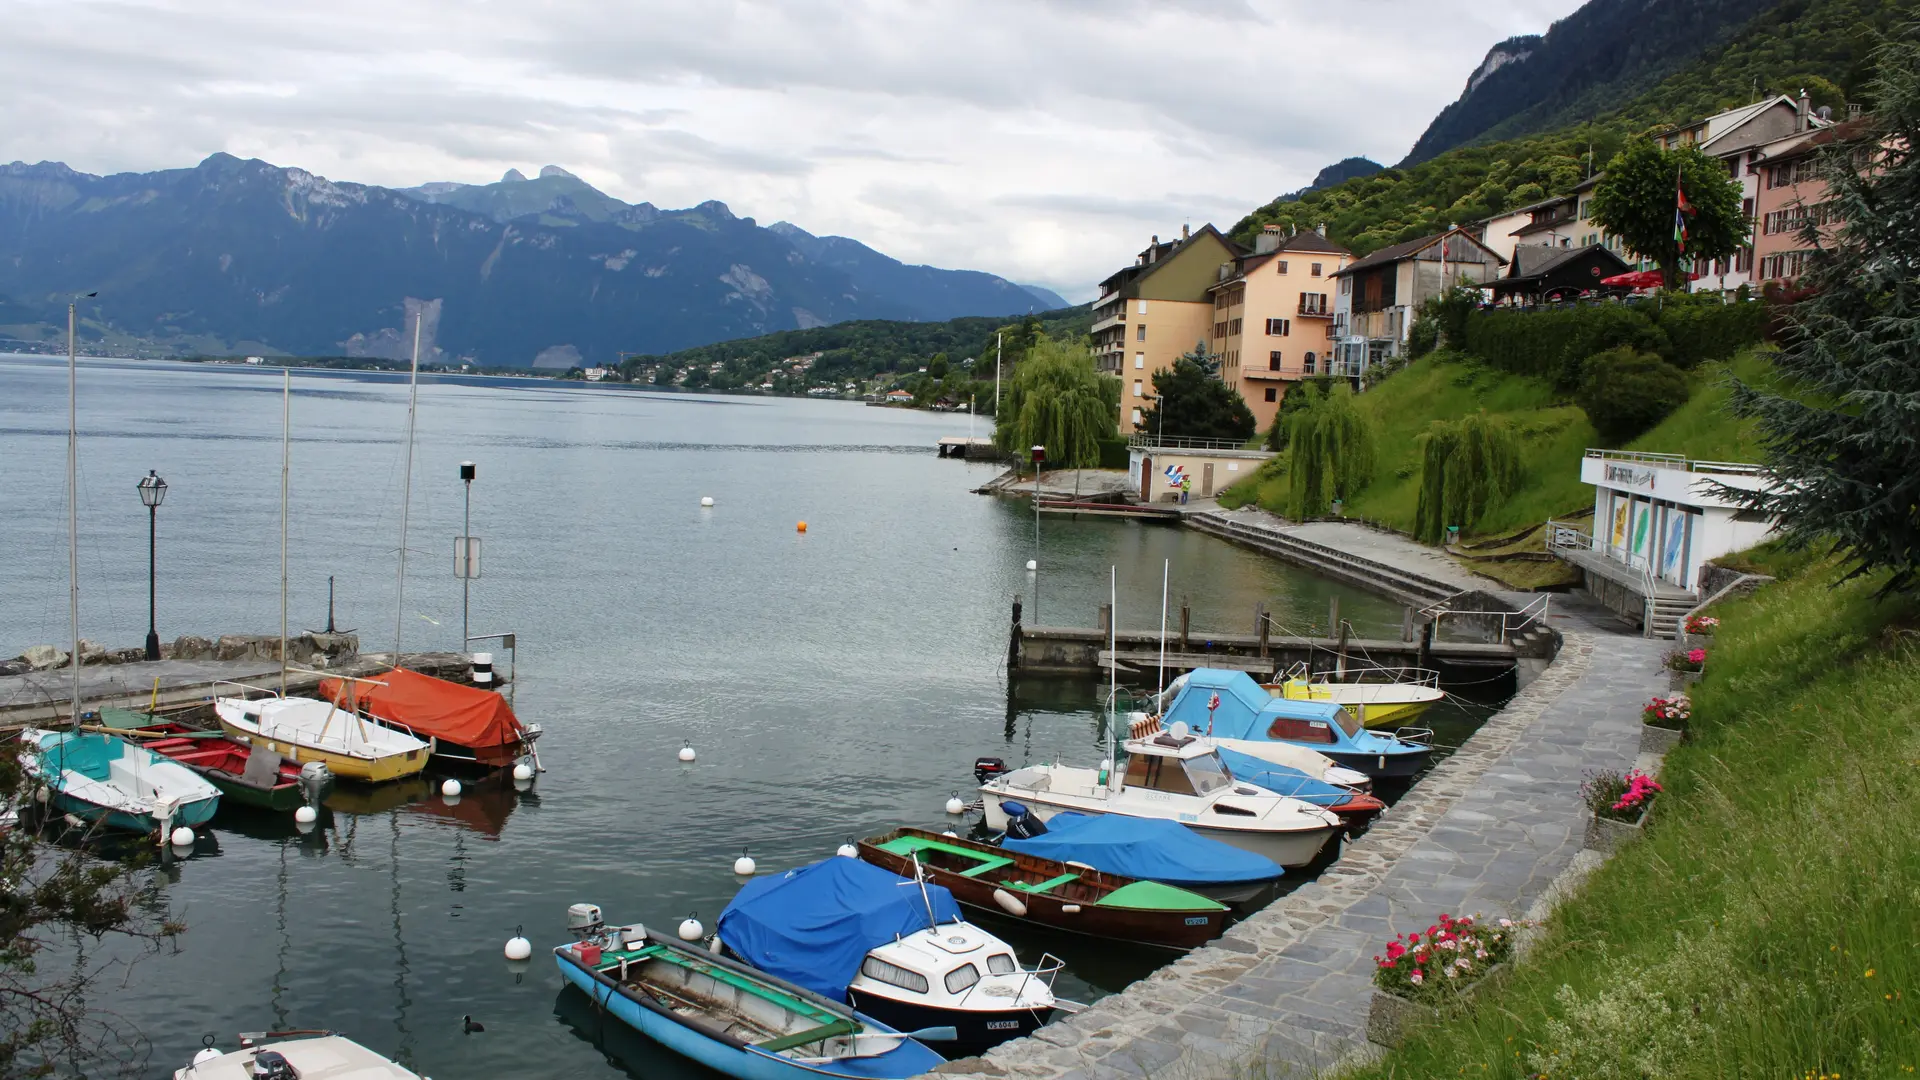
(1082, 865)
(1009, 902)
(1070, 909)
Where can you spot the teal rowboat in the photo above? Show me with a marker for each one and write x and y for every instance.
(99, 778)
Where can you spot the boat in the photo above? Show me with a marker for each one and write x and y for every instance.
(1040, 890)
(1404, 696)
(295, 1055)
(1153, 849)
(1355, 806)
(468, 726)
(98, 778)
(728, 1015)
(895, 949)
(246, 776)
(1242, 716)
(1179, 776)
(306, 729)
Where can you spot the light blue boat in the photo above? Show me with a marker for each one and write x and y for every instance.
(99, 778)
(1240, 714)
(733, 1018)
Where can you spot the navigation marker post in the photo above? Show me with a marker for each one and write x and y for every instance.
(466, 554)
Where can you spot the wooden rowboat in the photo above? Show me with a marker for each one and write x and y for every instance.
(1059, 895)
(244, 774)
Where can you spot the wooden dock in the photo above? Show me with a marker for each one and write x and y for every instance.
(1098, 508)
(959, 446)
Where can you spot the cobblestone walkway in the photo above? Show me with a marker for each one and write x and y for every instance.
(1285, 993)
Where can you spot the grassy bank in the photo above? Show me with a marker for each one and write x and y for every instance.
(1446, 386)
(1769, 923)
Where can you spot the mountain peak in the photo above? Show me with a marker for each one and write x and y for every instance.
(555, 170)
(513, 176)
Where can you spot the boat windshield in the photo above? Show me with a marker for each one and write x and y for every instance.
(1349, 723)
(1208, 773)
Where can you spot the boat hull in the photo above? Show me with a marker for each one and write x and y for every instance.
(712, 1049)
(345, 766)
(1382, 766)
(194, 813)
(1172, 928)
(1290, 849)
(978, 1030)
(1388, 714)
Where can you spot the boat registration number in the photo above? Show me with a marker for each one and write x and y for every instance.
(1003, 1025)
(1196, 920)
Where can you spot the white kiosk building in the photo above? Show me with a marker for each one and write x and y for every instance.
(1657, 521)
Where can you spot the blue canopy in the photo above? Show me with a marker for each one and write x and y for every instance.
(1282, 780)
(1152, 849)
(813, 926)
(1246, 708)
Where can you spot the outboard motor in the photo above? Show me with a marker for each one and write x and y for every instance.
(273, 1065)
(315, 778)
(1022, 824)
(584, 921)
(986, 768)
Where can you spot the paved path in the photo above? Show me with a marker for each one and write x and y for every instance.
(1383, 547)
(1285, 993)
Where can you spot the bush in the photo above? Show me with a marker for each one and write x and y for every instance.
(1683, 330)
(1113, 454)
(1625, 392)
(1605, 328)
(1702, 332)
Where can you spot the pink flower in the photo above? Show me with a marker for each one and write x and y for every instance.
(1696, 656)
(1416, 978)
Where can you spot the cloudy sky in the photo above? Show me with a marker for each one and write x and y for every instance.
(1038, 139)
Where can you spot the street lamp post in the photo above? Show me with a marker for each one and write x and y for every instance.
(73, 499)
(1039, 455)
(153, 490)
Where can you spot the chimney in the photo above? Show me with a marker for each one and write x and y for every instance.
(1268, 241)
(1184, 234)
(1806, 109)
(1322, 230)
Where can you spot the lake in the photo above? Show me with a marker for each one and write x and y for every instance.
(835, 682)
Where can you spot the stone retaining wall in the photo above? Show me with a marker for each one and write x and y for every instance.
(303, 648)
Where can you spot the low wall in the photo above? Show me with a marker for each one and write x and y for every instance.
(301, 648)
(1402, 585)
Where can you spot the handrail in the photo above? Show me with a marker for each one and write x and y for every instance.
(1149, 441)
(1678, 461)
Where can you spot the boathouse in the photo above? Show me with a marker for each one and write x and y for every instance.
(1160, 468)
(1658, 519)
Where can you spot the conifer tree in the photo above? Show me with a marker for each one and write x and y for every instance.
(1842, 434)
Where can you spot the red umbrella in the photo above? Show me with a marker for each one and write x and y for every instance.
(1641, 279)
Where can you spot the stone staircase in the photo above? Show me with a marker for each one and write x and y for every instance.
(1666, 613)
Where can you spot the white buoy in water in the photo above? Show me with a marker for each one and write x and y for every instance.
(744, 865)
(518, 948)
(305, 815)
(955, 806)
(522, 771)
(691, 930)
(686, 752)
(847, 851)
(182, 837)
(450, 789)
(40, 794)
(1032, 565)
(706, 500)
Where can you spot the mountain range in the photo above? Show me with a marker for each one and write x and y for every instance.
(236, 255)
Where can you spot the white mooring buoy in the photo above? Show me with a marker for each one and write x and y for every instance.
(955, 806)
(305, 815)
(686, 752)
(706, 500)
(1032, 565)
(847, 851)
(691, 930)
(518, 947)
(744, 865)
(522, 771)
(451, 789)
(182, 837)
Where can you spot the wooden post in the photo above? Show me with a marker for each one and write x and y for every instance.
(1340, 658)
(1105, 618)
(1333, 616)
(1013, 640)
(1261, 626)
(1406, 626)
(1426, 645)
(1186, 621)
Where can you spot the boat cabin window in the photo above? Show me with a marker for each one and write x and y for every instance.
(1001, 964)
(962, 977)
(1349, 723)
(894, 975)
(1207, 773)
(1307, 731)
(1157, 773)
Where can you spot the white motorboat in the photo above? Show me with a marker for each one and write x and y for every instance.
(954, 974)
(1311, 763)
(307, 729)
(1178, 776)
(323, 1056)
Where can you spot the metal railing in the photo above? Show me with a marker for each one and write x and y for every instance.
(1149, 441)
(1511, 622)
(1678, 461)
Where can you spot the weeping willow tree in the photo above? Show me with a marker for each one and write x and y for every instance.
(1329, 453)
(1057, 400)
(1466, 465)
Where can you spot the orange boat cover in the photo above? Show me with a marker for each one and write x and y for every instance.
(466, 715)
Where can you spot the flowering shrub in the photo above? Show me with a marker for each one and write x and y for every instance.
(1691, 660)
(1668, 712)
(1450, 956)
(1619, 798)
(1702, 624)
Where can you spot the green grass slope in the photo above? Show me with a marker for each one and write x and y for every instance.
(1765, 925)
(1555, 434)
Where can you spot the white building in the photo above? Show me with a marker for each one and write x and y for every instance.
(595, 374)
(1657, 520)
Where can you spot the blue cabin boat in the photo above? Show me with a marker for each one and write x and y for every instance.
(733, 1018)
(1248, 715)
(99, 778)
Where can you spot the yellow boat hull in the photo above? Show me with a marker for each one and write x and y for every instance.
(1392, 713)
(1371, 714)
(345, 766)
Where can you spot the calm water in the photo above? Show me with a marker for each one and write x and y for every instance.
(835, 683)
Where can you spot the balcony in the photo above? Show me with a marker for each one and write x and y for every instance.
(1118, 318)
(1315, 311)
(1291, 374)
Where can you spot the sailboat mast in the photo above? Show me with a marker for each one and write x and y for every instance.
(1166, 569)
(286, 444)
(1113, 672)
(406, 488)
(73, 512)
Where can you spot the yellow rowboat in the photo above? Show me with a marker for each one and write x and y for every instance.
(306, 729)
(1373, 704)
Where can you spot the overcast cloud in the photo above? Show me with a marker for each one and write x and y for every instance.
(1042, 140)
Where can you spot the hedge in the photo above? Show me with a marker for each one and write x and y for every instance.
(1554, 344)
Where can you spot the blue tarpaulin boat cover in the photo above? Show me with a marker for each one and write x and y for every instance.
(1147, 848)
(1282, 780)
(813, 926)
(1246, 708)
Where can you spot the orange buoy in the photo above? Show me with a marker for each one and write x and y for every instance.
(802, 527)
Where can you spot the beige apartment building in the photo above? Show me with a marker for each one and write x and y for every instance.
(1151, 313)
(1273, 317)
